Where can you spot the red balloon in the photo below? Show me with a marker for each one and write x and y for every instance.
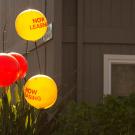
(9, 68)
(23, 64)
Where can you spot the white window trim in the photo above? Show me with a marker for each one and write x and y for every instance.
(110, 59)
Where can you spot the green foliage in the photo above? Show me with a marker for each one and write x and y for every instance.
(75, 120)
(17, 117)
(115, 116)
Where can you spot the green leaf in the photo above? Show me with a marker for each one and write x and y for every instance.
(17, 97)
(26, 121)
(0, 102)
(9, 95)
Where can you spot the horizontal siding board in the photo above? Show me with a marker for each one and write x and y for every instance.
(109, 21)
(111, 35)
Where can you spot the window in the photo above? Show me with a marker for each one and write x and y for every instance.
(119, 74)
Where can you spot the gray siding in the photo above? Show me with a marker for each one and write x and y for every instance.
(69, 46)
(104, 27)
(92, 78)
(109, 21)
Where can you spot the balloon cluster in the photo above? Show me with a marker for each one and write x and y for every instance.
(40, 91)
(13, 66)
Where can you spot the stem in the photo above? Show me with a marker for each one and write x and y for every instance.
(5, 112)
(4, 30)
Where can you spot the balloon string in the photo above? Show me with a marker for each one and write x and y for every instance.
(38, 57)
(26, 51)
(45, 60)
(4, 30)
(26, 55)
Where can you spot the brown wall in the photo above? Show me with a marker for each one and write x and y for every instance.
(104, 27)
(69, 45)
(92, 78)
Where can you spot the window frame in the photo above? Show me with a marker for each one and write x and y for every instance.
(110, 59)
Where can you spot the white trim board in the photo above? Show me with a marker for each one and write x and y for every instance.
(110, 59)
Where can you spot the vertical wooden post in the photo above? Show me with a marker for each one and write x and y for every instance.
(54, 49)
(80, 21)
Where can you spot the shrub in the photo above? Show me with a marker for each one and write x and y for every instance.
(115, 116)
(74, 120)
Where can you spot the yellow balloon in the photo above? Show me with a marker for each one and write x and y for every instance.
(31, 25)
(40, 91)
